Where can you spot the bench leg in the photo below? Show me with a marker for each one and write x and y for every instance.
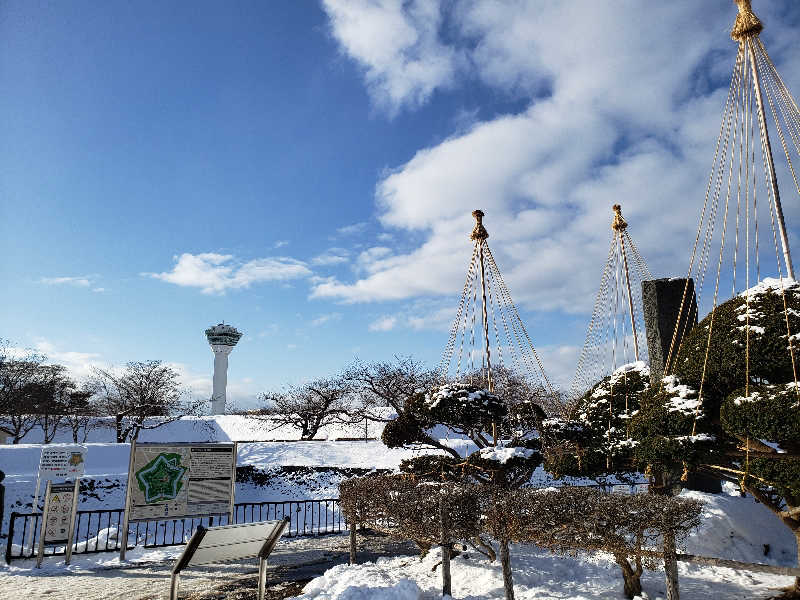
(173, 586)
(262, 578)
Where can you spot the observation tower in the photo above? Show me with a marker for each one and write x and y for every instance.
(222, 339)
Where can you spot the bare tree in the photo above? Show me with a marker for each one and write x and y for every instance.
(146, 395)
(310, 406)
(17, 402)
(81, 414)
(387, 384)
(50, 398)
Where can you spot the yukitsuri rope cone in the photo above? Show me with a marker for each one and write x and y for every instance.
(593, 439)
(731, 393)
(617, 314)
(499, 338)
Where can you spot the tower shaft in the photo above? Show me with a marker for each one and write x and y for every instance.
(220, 383)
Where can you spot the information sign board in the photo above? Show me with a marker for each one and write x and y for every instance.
(181, 480)
(58, 517)
(178, 480)
(59, 463)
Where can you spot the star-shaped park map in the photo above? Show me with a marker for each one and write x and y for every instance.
(162, 478)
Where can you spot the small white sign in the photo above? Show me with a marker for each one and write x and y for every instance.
(61, 463)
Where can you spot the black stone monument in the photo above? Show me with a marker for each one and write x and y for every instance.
(661, 300)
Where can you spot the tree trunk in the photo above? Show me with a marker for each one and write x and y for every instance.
(120, 436)
(447, 588)
(447, 584)
(505, 560)
(671, 566)
(631, 577)
(353, 558)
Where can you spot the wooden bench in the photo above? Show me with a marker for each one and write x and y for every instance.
(230, 542)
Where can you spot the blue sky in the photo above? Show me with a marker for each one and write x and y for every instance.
(305, 171)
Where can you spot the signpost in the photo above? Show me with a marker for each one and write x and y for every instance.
(58, 518)
(58, 463)
(178, 480)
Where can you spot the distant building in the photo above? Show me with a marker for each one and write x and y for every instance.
(222, 339)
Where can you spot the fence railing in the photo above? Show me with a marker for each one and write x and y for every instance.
(98, 530)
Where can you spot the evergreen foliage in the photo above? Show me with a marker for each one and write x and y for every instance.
(731, 421)
(595, 442)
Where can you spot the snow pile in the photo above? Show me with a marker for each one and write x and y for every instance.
(502, 454)
(638, 366)
(740, 528)
(376, 583)
(684, 399)
(771, 285)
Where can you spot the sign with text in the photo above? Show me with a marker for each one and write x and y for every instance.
(181, 480)
(58, 518)
(61, 463)
(59, 513)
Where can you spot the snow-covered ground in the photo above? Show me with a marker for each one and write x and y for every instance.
(146, 573)
(733, 527)
(214, 428)
(537, 574)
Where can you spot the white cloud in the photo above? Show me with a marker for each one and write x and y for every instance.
(332, 256)
(215, 273)
(559, 362)
(437, 320)
(383, 324)
(99, 290)
(397, 44)
(369, 258)
(322, 319)
(280, 244)
(352, 229)
(628, 118)
(84, 281)
(79, 364)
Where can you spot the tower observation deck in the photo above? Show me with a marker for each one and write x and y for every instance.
(222, 338)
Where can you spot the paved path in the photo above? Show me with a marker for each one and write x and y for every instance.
(297, 559)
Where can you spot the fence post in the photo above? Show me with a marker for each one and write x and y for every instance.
(671, 566)
(2, 496)
(10, 536)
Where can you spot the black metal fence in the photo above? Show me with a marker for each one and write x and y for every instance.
(98, 530)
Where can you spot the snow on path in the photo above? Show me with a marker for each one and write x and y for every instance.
(538, 575)
(100, 576)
